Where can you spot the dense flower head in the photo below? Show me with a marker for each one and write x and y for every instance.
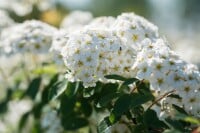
(133, 29)
(166, 72)
(91, 54)
(30, 36)
(76, 20)
(130, 46)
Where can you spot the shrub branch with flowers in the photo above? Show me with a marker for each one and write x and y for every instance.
(106, 75)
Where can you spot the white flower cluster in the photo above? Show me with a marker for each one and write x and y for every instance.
(130, 46)
(166, 72)
(5, 20)
(90, 55)
(24, 7)
(30, 36)
(76, 20)
(101, 49)
(58, 42)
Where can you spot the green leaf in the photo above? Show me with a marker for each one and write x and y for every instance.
(179, 109)
(57, 89)
(104, 126)
(130, 81)
(72, 88)
(172, 131)
(139, 129)
(3, 106)
(138, 99)
(151, 120)
(45, 92)
(67, 105)
(174, 124)
(105, 100)
(180, 114)
(122, 105)
(23, 120)
(143, 88)
(74, 123)
(86, 108)
(112, 118)
(33, 88)
(115, 77)
(128, 101)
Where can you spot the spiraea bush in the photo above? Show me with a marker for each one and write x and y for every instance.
(100, 75)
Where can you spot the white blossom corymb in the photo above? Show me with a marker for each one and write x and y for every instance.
(76, 20)
(166, 72)
(30, 36)
(90, 55)
(133, 29)
(5, 20)
(59, 41)
(131, 47)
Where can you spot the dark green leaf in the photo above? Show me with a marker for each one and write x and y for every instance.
(139, 129)
(74, 123)
(138, 99)
(122, 105)
(67, 105)
(33, 88)
(57, 89)
(86, 108)
(3, 106)
(115, 77)
(105, 100)
(179, 109)
(151, 120)
(72, 88)
(130, 81)
(23, 120)
(174, 124)
(172, 131)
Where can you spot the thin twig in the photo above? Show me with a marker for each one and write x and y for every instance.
(163, 96)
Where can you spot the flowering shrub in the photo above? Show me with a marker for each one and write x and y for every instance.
(106, 75)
